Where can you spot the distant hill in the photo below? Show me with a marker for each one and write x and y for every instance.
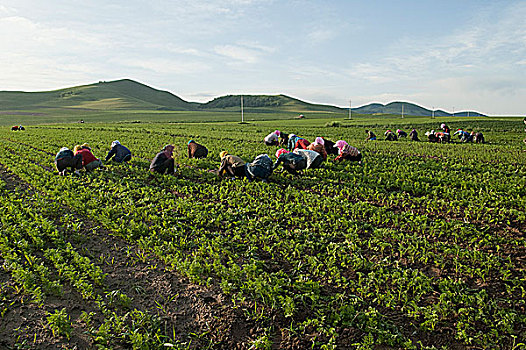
(126, 94)
(409, 109)
(119, 94)
(273, 102)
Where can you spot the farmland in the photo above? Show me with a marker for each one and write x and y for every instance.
(422, 246)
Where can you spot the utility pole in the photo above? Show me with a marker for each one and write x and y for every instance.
(242, 119)
(433, 113)
(350, 110)
(402, 110)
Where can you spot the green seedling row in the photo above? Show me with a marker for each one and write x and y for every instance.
(421, 246)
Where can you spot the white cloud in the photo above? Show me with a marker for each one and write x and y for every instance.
(320, 35)
(190, 51)
(307, 72)
(23, 35)
(4, 10)
(164, 65)
(374, 73)
(256, 46)
(243, 51)
(237, 53)
(479, 47)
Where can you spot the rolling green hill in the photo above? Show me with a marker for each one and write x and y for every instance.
(270, 102)
(119, 94)
(395, 108)
(126, 95)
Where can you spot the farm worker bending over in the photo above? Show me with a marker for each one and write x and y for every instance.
(390, 136)
(89, 162)
(283, 139)
(231, 165)
(272, 139)
(442, 137)
(261, 168)
(196, 150)
(370, 135)
(314, 159)
(329, 147)
(478, 137)
(431, 137)
(291, 162)
(119, 152)
(462, 135)
(445, 128)
(413, 135)
(66, 159)
(297, 142)
(470, 137)
(401, 133)
(347, 152)
(163, 162)
(319, 147)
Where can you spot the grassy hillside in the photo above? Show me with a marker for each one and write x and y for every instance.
(409, 109)
(268, 102)
(125, 100)
(120, 94)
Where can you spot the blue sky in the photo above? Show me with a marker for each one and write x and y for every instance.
(454, 55)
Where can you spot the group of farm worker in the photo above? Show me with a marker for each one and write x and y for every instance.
(392, 136)
(301, 155)
(321, 146)
(442, 136)
(164, 163)
(82, 157)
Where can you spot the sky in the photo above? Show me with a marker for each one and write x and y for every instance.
(453, 55)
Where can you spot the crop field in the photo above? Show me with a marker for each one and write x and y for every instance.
(420, 247)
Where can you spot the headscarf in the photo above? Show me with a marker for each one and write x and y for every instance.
(398, 130)
(281, 151)
(85, 145)
(442, 126)
(340, 144)
(115, 143)
(292, 135)
(189, 142)
(168, 149)
(223, 154)
(77, 148)
(277, 132)
(63, 149)
(320, 141)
